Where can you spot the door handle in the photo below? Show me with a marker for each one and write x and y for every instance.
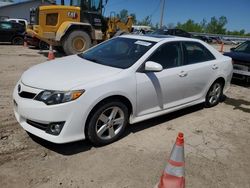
(183, 74)
(214, 67)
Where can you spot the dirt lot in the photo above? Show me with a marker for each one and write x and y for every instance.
(217, 144)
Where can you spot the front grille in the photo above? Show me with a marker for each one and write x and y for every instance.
(38, 125)
(27, 95)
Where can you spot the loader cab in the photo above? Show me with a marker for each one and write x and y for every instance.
(91, 11)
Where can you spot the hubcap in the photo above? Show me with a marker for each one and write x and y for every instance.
(110, 123)
(79, 44)
(214, 94)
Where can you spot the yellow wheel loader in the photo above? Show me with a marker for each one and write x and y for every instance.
(76, 27)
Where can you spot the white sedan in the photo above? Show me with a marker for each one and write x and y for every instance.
(127, 79)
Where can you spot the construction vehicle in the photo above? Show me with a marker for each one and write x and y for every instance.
(76, 27)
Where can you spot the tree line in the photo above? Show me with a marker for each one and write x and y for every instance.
(214, 25)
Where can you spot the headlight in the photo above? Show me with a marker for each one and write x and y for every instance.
(57, 97)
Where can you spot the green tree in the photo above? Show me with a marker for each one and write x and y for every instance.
(146, 21)
(217, 26)
(190, 26)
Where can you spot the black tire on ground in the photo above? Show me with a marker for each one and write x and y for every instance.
(96, 121)
(59, 49)
(43, 45)
(17, 40)
(214, 94)
(76, 42)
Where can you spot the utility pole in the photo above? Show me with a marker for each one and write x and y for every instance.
(162, 12)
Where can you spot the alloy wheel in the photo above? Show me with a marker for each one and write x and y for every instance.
(109, 123)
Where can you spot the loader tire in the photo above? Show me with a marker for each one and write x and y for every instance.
(76, 42)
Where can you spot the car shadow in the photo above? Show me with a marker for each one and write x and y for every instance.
(64, 149)
(238, 104)
(85, 145)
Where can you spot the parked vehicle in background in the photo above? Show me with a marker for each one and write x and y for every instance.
(12, 32)
(33, 41)
(216, 40)
(229, 41)
(20, 21)
(174, 32)
(129, 78)
(241, 61)
(204, 38)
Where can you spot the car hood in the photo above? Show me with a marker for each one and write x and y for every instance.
(66, 73)
(239, 56)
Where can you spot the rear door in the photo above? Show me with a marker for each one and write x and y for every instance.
(200, 68)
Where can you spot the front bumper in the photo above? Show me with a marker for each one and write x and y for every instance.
(27, 110)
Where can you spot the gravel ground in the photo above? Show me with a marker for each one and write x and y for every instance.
(216, 143)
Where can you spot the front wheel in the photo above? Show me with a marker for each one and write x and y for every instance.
(214, 94)
(107, 123)
(76, 42)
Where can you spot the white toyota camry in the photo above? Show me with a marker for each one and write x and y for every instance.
(127, 79)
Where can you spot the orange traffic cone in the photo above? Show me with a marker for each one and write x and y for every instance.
(173, 175)
(222, 47)
(51, 54)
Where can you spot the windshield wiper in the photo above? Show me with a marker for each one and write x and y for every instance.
(88, 58)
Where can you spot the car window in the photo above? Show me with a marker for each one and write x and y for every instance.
(196, 53)
(244, 47)
(5, 26)
(168, 55)
(22, 22)
(118, 52)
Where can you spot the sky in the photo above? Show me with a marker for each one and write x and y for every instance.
(236, 11)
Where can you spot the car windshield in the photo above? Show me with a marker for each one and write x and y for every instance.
(244, 47)
(118, 52)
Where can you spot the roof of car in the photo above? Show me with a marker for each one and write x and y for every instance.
(157, 38)
(149, 37)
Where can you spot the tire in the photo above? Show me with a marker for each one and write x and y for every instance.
(43, 45)
(76, 42)
(102, 120)
(17, 40)
(214, 94)
(59, 49)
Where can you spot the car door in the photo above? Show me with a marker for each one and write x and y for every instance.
(200, 69)
(157, 91)
(6, 31)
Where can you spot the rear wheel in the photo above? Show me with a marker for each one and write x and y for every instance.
(76, 42)
(214, 94)
(107, 122)
(17, 40)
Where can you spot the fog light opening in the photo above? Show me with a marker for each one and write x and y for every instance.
(55, 128)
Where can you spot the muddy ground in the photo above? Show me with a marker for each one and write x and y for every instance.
(217, 144)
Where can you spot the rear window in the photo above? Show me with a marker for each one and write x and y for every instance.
(196, 53)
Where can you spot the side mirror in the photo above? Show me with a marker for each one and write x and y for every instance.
(232, 49)
(151, 66)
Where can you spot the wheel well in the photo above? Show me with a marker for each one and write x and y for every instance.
(85, 28)
(221, 80)
(17, 36)
(120, 98)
